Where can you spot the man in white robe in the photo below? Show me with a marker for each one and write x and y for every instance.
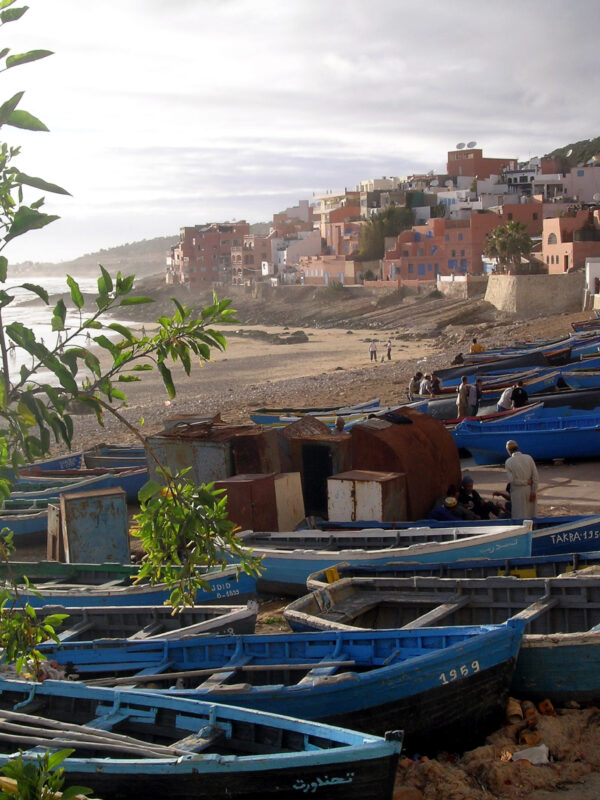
(522, 475)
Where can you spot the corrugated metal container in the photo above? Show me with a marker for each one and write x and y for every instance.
(366, 495)
(419, 446)
(215, 453)
(264, 502)
(95, 527)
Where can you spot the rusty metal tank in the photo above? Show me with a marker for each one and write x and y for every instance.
(415, 444)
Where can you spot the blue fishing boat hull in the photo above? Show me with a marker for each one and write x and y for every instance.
(444, 686)
(543, 439)
(528, 567)
(221, 587)
(550, 536)
(570, 669)
(287, 570)
(251, 755)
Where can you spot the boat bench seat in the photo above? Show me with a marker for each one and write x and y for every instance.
(75, 630)
(435, 615)
(108, 584)
(197, 742)
(149, 630)
(154, 669)
(217, 679)
(318, 672)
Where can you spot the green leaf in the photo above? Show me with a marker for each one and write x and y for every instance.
(39, 183)
(54, 759)
(28, 219)
(39, 290)
(135, 301)
(3, 268)
(26, 58)
(167, 378)
(12, 14)
(124, 331)
(25, 120)
(7, 108)
(105, 284)
(76, 295)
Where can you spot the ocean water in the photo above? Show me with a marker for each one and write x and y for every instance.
(38, 318)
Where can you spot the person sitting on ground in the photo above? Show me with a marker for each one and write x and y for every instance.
(339, 425)
(504, 503)
(476, 347)
(436, 385)
(458, 510)
(446, 510)
(519, 396)
(470, 498)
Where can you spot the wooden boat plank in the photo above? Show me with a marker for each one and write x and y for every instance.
(436, 615)
(537, 609)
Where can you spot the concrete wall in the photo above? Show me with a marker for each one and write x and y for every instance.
(463, 287)
(532, 295)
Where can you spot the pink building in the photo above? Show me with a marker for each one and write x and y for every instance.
(322, 270)
(471, 162)
(567, 241)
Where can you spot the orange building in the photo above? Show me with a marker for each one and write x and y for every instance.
(322, 270)
(568, 241)
(471, 163)
(452, 247)
(342, 230)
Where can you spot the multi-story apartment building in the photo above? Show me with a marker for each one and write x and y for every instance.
(202, 256)
(327, 202)
(448, 246)
(471, 162)
(248, 256)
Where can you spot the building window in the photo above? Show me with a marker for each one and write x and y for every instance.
(411, 267)
(462, 252)
(510, 216)
(447, 237)
(534, 215)
(460, 237)
(552, 239)
(580, 173)
(453, 253)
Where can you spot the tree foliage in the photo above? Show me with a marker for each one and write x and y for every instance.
(390, 222)
(508, 244)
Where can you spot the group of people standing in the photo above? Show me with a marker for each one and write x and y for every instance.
(420, 385)
(373, 350)
(468, 397)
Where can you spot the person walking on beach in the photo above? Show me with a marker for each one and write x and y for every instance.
(373, 350)
(388, 348)
(522, 475)
(462, 397)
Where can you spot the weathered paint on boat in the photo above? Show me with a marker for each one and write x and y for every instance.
(442, 685)
(289, 558)
(111, 585)
(216, 752)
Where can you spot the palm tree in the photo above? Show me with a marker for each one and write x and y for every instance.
(508, 243)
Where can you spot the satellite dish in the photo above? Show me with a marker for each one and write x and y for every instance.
(449, 183)
(434, 183)
(591, 161)
(460, 146)
(471, 144)
(596, 197)
(570, 153)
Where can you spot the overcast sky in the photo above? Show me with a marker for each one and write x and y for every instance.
(165, 113)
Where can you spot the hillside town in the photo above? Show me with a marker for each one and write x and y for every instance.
(447, 223)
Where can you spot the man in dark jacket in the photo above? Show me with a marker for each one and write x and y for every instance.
(519, 396)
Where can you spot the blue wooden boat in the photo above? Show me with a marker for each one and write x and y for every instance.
(551, 535)
(289, 558)
(575, 436)
(444, 686)
(159, 747)
(150, 622)
(111, 456)
(282, 416)
(111, 585)
(27, 521)
(130, 479)
(528, 567)
(559, 656)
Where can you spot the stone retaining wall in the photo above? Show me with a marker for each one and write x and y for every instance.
(534, 295)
